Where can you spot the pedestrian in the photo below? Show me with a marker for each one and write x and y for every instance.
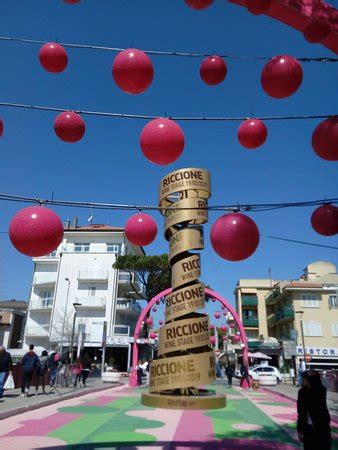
(76, 372)
(53, 364)
(64, 372)
(229, 372)
(244, 375)
(29, 364)
(313, 423)
(301, 371)
(86, 367)
(6, 368)
(41, 372)
(139, 372)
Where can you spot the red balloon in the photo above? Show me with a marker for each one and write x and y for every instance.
(36, 231)
(224, 338)
(149, 321)
(234, 236)
(162, 141)
(158, 302)
(325, 139)
(72, 1)
(69, 127)
(224, 328)
(252, 133)
(152, 335)
(236, 338)
(199, 4)
(324, 220)
(212, 340)
(213, 70)
(217, 315)
(141, 229)
(1, 128)
(53, 57)
(317, 29)
(232, 325)
(281, 76)
(212, 326)
(258, 6)
(133, 71)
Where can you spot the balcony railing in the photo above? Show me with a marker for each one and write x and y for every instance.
(284, 313)
(91, 302)
(44, 278)
(249, 300)
(122, 330)
(271, 319)
(272, 295)
(125, 282)
(40, 331)
(41, 304)
(93, 275)
(250, 322)
(127, 305)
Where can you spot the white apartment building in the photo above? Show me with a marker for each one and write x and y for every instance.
(78, 280)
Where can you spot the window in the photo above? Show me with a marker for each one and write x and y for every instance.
(312, 329)
(333, 301)
(47, 297)
(92, 291)
(113, 248)
(81, 328)
(80, 247)
(309, 301)
(334, 326)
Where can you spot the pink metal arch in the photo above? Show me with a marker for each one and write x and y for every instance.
(145, 311)
(296, 14)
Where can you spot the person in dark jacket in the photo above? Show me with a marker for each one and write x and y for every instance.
(86, 363)
(6, 367)
(244, 375)
(229, 372)
(313, 423)
(29, 364)
(41, 372)
(53, 364)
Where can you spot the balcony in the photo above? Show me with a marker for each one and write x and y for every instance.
(37, 331)
(125, 305)
(284, 314)
(271, 297)
(249, 300)
(51, 257)
(250, 322)
(125, 283)
(93, 275)
(271, 319)
(122, 330)
(44, 279)
(91, 302)
(41, 304)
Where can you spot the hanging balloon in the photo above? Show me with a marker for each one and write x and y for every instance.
(199, 4)
(149, 321)
(325, 139)
(158, 302)
(281, 76)
(212, 326)
(36, 231)
(162, 141)
(141, 229)
(53, 57)
(161, 322)
(225, 313)
(258, 6)
(213, 70)
(133, 71)
(1, 128)
(212, 340)
(252, 133)
(324, 220)
(222, 307)
(69, 127)
(236, 338)
(217, 315)
(224, 328)
(154, 309)
(224, 338)
(317, 29)
(232, 325)
(152, 335)
(72, 1)
(234, 236)
(213, 300)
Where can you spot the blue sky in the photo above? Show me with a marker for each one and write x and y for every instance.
(108, 166)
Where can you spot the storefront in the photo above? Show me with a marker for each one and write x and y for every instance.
(324, 358)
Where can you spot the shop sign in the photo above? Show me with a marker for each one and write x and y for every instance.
(118, 341)
(328, 352)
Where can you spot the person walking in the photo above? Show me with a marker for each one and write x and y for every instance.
(53, 364)
(245, 375)
(229, 372)
(86, 367)
(6, 368)
(76, 372)
(29, 364)
(41, 372)
(301, 371)
(139, 373)
(313, 422)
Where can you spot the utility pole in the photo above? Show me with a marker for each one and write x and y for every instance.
(73, 332)
(64, 317)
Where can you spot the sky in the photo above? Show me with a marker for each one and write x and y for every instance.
(107, 164)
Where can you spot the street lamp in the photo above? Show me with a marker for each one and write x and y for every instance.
(73, 331)
(302, 331)
(64, 317)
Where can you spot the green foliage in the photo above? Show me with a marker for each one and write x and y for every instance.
(154, 272)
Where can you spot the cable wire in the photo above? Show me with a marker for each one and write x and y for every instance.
(299, 242)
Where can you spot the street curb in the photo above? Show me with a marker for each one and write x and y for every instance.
(33, 406)
(334, 417)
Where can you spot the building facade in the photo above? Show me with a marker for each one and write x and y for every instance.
(78, 298)
(12, 322)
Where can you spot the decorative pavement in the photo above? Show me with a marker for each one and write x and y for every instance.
(115, 419)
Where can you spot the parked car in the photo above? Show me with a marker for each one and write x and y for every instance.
(264, 370)
(254, 375)
(267, 379)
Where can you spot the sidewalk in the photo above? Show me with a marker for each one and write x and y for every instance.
(290, 391)
(12, 403)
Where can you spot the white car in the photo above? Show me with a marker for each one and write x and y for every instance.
(254, 375)
(267, 370)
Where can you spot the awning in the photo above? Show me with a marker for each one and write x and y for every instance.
(258, 355)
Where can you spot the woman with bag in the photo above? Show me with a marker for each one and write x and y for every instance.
(41, 371)
(6, 367)
(76, 371)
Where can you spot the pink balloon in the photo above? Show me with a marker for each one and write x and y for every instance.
(53, 57)
(212, 326)
(236, 338)
(133, 71)
(149, 321)
(252, 133)
(281, 76)
(199, 4)
(72, 1)
(213, 70)
(222, 307)
(212, 340)
(162, 141)
(69, 127)
(141, 229)
(258, 6)
(232, 325)
(161, 322)
(158, 302)
(325, 139)
(36, 231)
(317, 29)
(1, 128)
(225, 313)
(324, 220)
(154, 309)
(224, 328)
(234, 236)
(217, 315)
(152, 335)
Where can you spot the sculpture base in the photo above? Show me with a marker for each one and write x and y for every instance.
(204, 399)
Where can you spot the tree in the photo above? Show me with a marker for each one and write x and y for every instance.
(153, 272)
